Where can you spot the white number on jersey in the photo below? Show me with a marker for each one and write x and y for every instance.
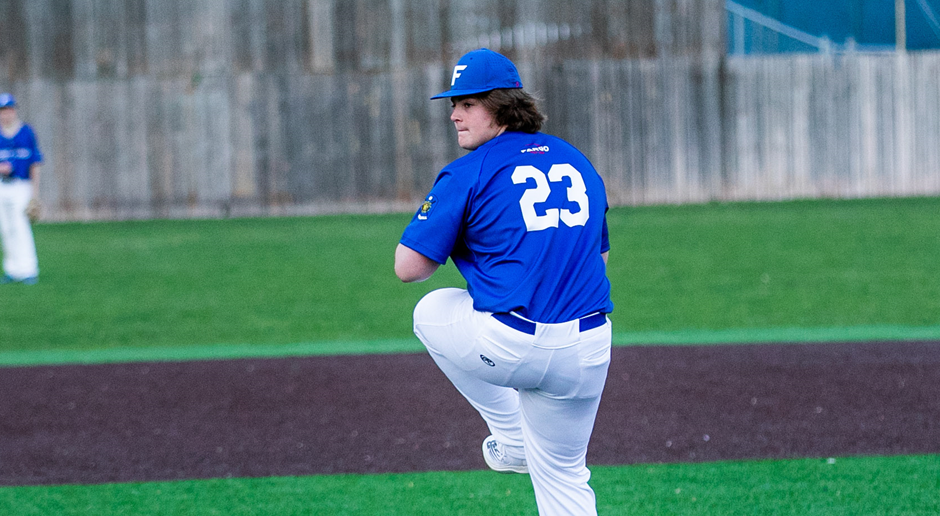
(577, 193)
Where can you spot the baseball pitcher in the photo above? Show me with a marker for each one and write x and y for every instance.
(523, 217)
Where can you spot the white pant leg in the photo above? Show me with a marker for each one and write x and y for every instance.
(447, 324)
(558, 417)
(559, 373)
(19, 248)
(556, 436)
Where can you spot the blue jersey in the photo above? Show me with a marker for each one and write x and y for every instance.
(523, 217)
(21, 151)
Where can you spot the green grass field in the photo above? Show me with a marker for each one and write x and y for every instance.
(725, 269)
(809, 270)
(845, 486)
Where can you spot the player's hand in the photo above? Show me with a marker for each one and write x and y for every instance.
(33, 210)
(6, 168)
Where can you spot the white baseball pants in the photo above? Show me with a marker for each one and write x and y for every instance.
(19, 248)
(541, 395)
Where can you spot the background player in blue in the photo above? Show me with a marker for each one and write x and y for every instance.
(19, 194)
(522, 216)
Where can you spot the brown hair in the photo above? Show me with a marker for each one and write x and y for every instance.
(514, 108)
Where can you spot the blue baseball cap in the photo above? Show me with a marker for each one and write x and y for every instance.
(479, 71)
(7, 100)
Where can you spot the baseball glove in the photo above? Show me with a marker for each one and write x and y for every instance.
(33, 210)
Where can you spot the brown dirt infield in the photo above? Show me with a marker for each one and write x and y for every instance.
(398, 413)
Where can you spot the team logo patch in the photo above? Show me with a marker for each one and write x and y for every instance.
(426, 207)
(486, 360)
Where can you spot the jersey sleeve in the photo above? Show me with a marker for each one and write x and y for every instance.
(438, 223)
(34, 143)
(605, 241)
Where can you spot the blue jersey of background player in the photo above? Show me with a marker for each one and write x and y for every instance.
(528, 342)
(21, 151)
(523, 218)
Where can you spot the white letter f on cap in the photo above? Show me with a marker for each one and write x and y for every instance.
(457, 70)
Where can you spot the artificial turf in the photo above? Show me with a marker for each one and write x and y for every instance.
(833, 267)
(715, 267)
(905, 485)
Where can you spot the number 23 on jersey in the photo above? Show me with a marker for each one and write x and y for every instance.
(577, 193)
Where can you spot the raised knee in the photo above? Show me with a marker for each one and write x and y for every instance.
(433, 301)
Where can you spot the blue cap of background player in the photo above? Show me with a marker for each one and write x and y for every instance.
(7, 100)
(479, 71)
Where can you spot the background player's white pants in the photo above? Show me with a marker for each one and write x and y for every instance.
(19, 248)
(559, 373)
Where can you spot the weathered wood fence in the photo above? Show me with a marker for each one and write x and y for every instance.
(777, 127)
(157, 108)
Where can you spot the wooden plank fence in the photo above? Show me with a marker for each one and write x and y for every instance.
(832, 126)
(154, 108)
